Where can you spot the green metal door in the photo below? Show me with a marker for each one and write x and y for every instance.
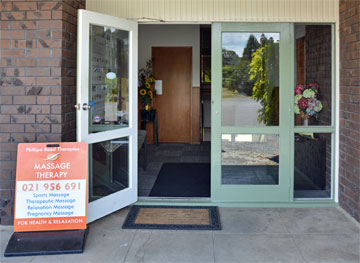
(252, 86)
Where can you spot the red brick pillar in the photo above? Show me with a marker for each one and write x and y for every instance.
(349, 174)
(37, 81)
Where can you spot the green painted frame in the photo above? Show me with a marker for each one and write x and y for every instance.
(208, 202)
(252, 193)
(331, 129)
(216, 167)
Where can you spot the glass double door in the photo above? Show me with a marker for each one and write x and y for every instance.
(251, 111)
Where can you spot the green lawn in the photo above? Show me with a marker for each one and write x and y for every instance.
(226, 94)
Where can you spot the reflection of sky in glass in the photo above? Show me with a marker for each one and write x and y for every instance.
(237, 41)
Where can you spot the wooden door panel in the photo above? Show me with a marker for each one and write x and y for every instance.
(173, 65)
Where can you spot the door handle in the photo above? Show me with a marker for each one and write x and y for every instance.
(86, 106)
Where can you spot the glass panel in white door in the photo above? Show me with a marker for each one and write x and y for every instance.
(109, 77)
(107, 109)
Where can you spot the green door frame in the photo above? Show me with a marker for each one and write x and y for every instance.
(330, 129)
(253, 193)
(228, 196)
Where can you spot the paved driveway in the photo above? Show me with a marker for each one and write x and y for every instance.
(240, 111)
(248, 235)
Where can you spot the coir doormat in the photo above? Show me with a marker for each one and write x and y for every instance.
(173, 218)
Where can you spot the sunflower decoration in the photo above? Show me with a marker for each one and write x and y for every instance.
(142, 92)
(146, 81)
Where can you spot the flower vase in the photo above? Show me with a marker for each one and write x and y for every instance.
(305, 122)
(147, 107)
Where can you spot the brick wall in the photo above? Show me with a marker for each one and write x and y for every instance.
(318, 67)
(349, 174)
(318, 46)
(37, 81)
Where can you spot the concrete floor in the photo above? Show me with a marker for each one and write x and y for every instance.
(248, 235)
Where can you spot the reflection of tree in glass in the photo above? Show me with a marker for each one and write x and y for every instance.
(230, 59)
(252, 45)
(264, 70)
(246, 83)
(236, 69)
(255, 74)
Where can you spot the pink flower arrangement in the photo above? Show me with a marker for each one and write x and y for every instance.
(299, 89)
(303, 103)
(306, 102)
(313, 85)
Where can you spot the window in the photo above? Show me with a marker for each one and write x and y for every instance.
(313, 109)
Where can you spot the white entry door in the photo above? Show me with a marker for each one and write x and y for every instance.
(107, 109)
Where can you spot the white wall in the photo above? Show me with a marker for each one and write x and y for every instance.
(167, 36)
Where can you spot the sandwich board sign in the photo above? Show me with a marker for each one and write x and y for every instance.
(51, 187)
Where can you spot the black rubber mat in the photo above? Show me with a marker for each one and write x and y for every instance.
(182, 180)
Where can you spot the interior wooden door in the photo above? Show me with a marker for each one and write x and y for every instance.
(173, 65)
